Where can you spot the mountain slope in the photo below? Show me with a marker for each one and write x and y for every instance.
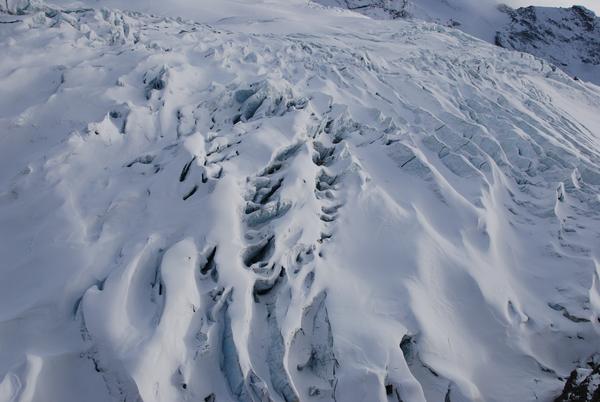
(566, 37)
(479, 18)
(290, 204)
(569, 38)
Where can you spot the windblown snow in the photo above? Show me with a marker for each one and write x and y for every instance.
(294, 204)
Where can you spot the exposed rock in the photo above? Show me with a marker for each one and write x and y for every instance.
(583, 385)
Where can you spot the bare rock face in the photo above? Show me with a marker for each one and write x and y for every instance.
(583, 385)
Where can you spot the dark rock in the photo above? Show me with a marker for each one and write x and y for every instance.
(583, 385)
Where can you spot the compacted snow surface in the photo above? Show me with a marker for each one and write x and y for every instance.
(290, 204)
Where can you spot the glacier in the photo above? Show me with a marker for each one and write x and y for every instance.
(280, 201)
(567, 37)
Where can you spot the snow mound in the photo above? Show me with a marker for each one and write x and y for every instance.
(369, 210)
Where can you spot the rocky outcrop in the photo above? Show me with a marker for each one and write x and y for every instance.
(583, 385)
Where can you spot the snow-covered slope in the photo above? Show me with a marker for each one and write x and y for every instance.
(290, 204)
(569, 38)
(479, 18)
(566, 37)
